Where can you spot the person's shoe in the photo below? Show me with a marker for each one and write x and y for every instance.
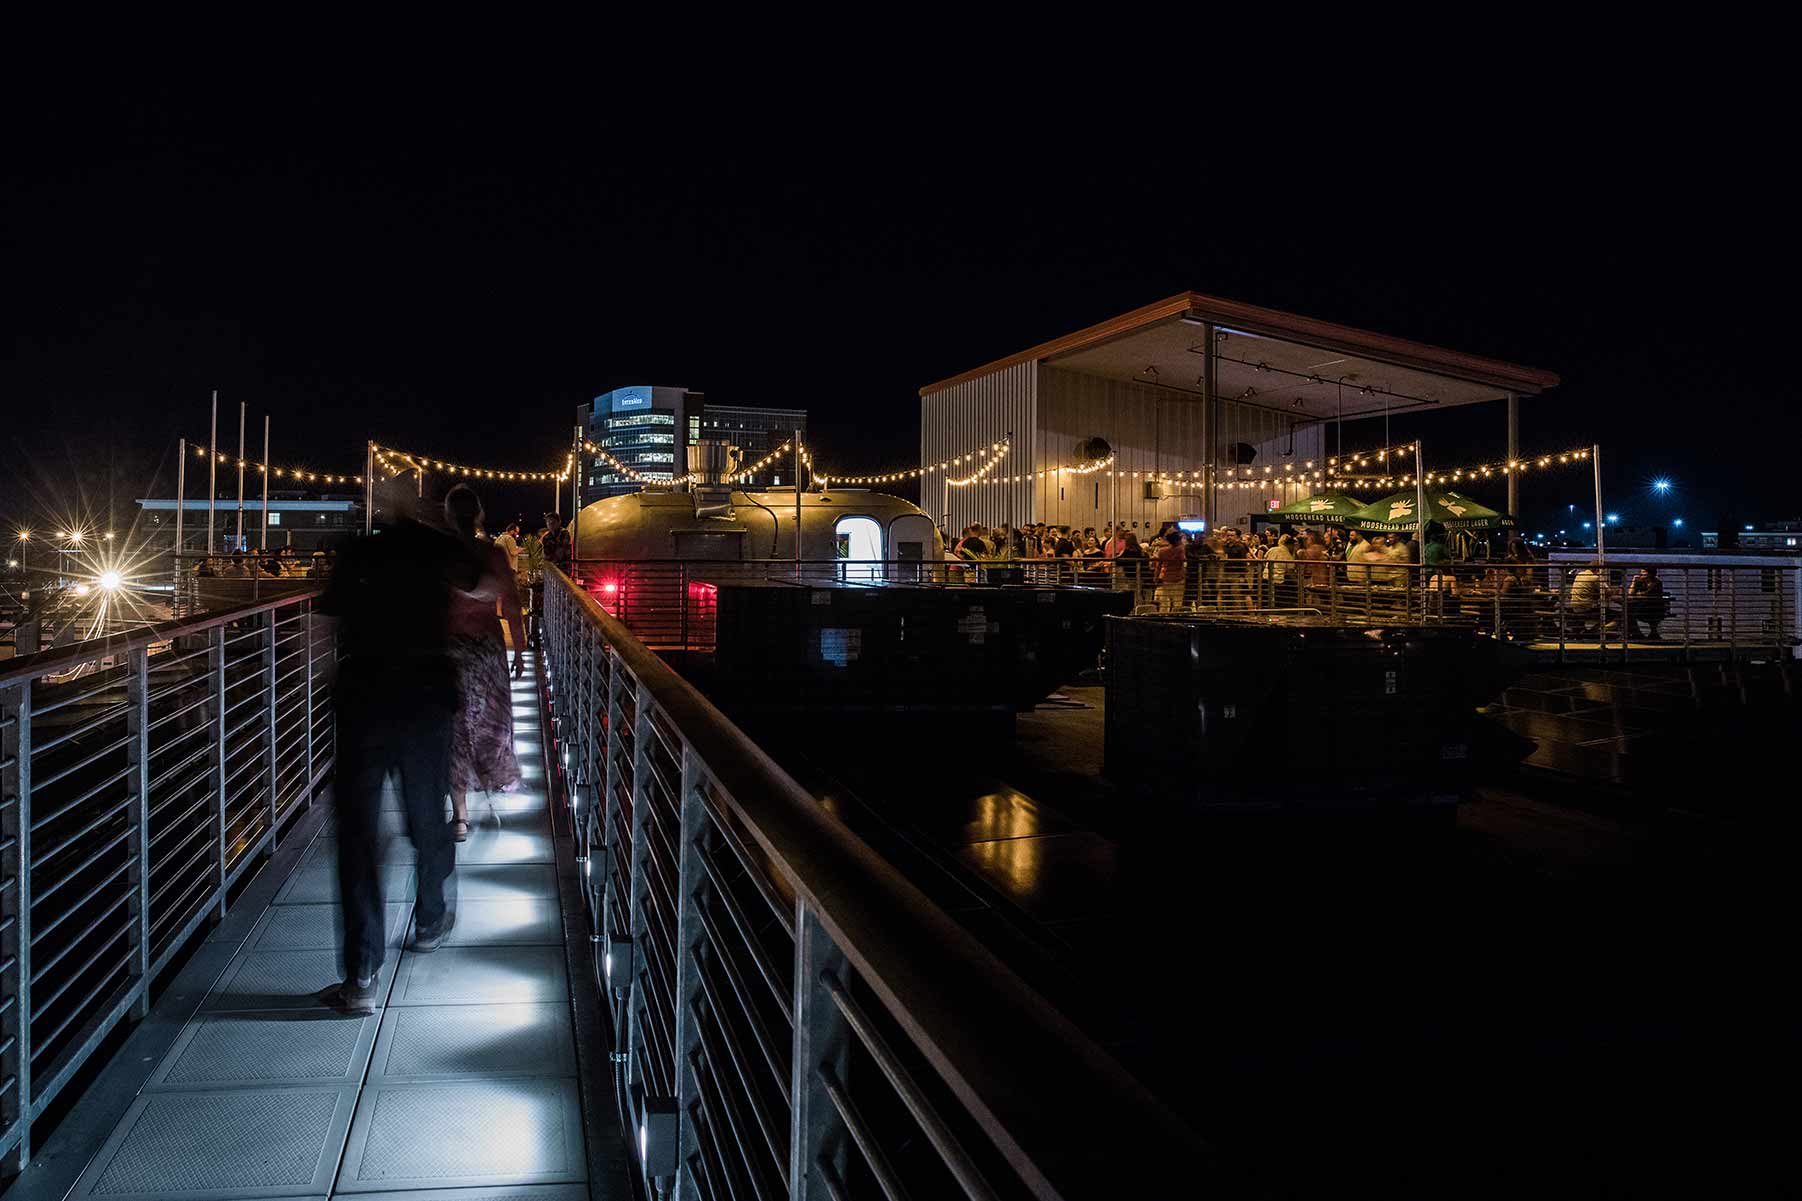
(352, 996)
(426, 941)
(459, 831)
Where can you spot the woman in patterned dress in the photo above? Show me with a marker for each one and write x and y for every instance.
(482, 733)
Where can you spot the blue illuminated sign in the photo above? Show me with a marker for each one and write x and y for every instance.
(624, 400)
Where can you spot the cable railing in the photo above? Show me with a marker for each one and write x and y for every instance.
(141, 777)
(793, 1018)
(1678, 609)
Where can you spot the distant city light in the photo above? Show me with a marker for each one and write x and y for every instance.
(11, 563)
(1748, 527)
(81, 590)
(1661, 485)
(74, 536)
(110, 580)
(1614, 519)
(1678, 523)
(1588, 524)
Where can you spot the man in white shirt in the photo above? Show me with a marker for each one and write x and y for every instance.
(509, 542)
(1590, 597)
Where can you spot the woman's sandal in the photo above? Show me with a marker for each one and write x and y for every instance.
(460, 831)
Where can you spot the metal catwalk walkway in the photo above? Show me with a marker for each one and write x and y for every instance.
(465, 1078)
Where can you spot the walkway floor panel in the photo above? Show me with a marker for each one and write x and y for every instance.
(309, 927)
(480, 976)
(439, 1042)
(517, 921)
(282, 980)
(489, 1132)
(254, 1050)
(265, 1142)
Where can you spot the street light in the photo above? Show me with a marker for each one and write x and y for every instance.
(1678, 523)
(1614, 519)
(110, 580)
(1661, 485)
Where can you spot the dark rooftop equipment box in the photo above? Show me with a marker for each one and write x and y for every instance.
(1295, 715)
(904, 647)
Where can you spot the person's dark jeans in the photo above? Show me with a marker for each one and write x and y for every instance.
(413, 743)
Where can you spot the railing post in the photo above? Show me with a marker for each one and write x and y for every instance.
(15, 748)
(308, 603)
(637, 997)
(269, 724)
(216, 667)
(690, 824)
(137, 727)
(818, 1153)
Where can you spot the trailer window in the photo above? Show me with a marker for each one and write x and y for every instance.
(860, 540)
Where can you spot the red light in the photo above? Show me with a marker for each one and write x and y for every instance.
(610, 586)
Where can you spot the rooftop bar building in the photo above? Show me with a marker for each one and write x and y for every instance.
(1211, 408)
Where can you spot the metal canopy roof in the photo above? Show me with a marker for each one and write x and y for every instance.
(1276, 360)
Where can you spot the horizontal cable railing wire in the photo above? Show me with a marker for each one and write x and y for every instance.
(137, 776)
(795, 1018)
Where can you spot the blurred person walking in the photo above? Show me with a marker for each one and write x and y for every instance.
(482, 732)
(396, 696)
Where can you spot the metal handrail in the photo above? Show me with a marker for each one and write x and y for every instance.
(1716, 609)
(1016, 1081)
(122, 833)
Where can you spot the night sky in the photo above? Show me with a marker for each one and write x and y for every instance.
(455, 269)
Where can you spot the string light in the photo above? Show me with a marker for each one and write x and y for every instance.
(299, 475)
(913, 473)
(399, 462)
(989, 461)
(1337, 468)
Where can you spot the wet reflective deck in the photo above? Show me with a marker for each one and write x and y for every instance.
(465, 1077)
(1406, 997)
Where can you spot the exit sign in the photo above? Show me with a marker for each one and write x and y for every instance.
(1272, 505)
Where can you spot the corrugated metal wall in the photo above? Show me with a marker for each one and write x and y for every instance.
(1155, 430)
(966, 416)
(1152, 431)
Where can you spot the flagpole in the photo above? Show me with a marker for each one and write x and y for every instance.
(265, 546)
(212, 473)
(242, 406)
(181, 504)
(368, 488)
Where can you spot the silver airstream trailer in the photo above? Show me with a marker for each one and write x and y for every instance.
(734, 526)
(656, 560)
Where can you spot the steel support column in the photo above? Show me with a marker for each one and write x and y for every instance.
(1210, 423)
(1513, 455)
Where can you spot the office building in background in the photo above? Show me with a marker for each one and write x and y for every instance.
(756, 432)
(648, 429)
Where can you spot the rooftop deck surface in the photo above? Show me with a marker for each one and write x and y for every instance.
(1516, 999)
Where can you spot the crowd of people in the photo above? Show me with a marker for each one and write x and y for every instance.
(281, 563)
(426, 615)
(1228, 567)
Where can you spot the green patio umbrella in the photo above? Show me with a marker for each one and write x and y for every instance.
(1453, 510)
(1323, 508)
